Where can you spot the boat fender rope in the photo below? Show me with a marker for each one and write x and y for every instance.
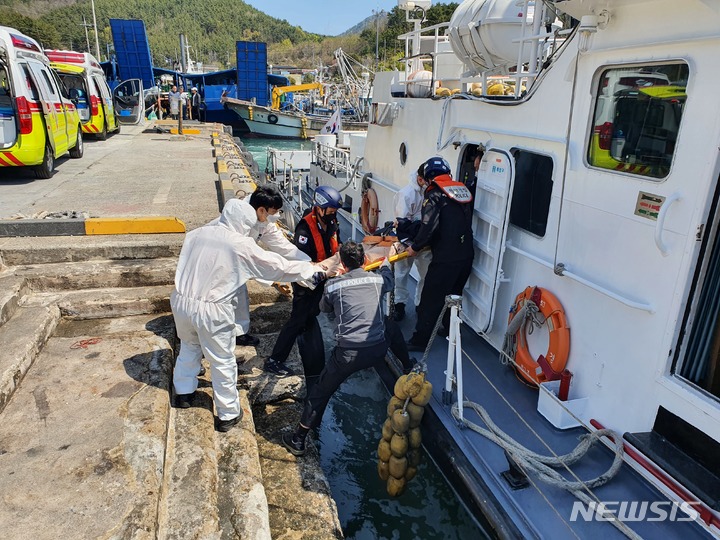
(529, 461)
(544, 466)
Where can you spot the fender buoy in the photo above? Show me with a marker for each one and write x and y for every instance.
(399, 448)
(369, 211)
(558, 330)
(272, 118)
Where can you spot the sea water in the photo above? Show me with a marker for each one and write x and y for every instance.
(348, 440)
(258, 147)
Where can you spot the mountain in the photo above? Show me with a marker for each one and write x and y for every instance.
(368, 23)
(211, 26)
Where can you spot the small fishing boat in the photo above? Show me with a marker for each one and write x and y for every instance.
(282, 124)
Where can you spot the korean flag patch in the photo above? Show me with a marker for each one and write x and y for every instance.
(302, 239)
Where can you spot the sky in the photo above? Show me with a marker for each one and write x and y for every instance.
(327, 17)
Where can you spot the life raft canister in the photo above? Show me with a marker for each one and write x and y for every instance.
(369, 211)
(558, 331)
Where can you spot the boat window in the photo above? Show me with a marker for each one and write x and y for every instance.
(637, 118)
(403, 154)
(531, 192)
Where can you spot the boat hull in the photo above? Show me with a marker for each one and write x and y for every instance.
(271, 123)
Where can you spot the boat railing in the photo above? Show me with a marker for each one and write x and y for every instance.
(414, 44)
(334, 160)
(286, 177)
(517, 77)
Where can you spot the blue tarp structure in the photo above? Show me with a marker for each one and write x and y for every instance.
(132, 50)
(252, 75)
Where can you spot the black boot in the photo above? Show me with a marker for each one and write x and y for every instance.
(294, 443)
(399, 314)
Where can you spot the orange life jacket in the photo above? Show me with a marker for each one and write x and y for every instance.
(457, 191)
(311, 220)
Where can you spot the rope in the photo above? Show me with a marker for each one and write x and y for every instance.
(83, 343)
(526, 319)
(543, 466)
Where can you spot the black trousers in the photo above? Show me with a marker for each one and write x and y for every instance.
(396, 343)
(442, 279)
(303, 326)
(342, 363)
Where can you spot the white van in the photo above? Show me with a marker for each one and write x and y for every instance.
(38, 120)
(85, 81)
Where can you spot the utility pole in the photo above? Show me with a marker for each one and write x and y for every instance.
(377, 36)
(87, 38)
(97, 41)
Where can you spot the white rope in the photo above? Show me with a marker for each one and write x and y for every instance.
(543, 466)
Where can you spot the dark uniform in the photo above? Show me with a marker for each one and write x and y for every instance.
(355, 298)
(447, 228)
(302, 325)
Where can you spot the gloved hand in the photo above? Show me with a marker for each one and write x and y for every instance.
(318, 278)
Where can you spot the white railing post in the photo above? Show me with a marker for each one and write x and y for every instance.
(456, 344)
(454, 371)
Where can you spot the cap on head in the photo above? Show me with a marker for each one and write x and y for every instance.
(435, 166)
(193, 88)
(327, 197)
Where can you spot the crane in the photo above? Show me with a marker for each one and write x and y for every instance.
(278, 91)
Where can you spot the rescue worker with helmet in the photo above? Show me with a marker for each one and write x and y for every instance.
(355, 298)
(215, 261)
(446, 226)
(317, 235)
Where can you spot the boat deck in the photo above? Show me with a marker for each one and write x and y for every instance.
(539, 510)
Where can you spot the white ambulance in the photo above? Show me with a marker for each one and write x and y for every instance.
(38, 120)
(85, 82)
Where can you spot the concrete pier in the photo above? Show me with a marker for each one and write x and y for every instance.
(89, 444)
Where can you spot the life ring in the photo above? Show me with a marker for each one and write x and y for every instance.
(558, 330)
(369, 211)
(272, 118)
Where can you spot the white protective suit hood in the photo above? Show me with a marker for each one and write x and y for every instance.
(238, 216)
(408, 201)
(414, 183)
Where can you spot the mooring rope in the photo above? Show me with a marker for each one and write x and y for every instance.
(543, 466)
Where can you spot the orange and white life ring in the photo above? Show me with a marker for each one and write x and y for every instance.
(558, 330)
(369, 212)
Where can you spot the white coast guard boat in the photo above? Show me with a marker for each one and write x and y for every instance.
(598, 124)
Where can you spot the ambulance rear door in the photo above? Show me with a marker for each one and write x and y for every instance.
(8, 125)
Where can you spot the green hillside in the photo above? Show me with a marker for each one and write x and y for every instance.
(211, 26)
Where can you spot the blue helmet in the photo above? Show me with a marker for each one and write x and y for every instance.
(435, 166)
(327, 197)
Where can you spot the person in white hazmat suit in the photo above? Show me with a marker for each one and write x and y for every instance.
(267, 203)
(216, 260)
(408, 209)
